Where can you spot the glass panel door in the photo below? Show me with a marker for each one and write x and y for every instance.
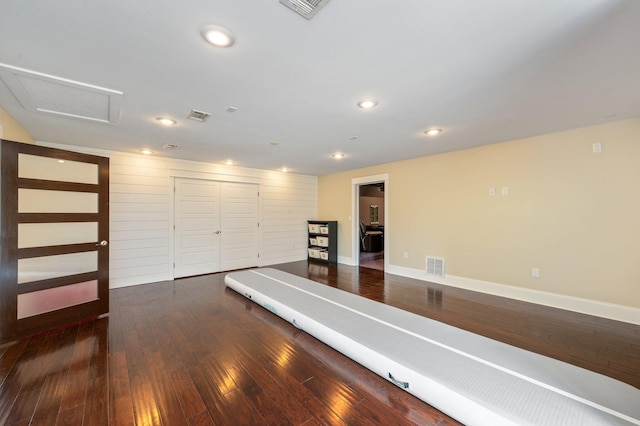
(54, 253)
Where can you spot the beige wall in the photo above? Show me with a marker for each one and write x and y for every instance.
(572, 213)
(11, 130)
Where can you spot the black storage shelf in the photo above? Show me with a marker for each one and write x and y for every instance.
(322, 240)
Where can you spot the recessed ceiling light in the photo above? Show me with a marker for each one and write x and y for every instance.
(433, 132)
(229, 162)
(274, 143)
(61, 161)
(170, 146)
(146, 151)
(367, 103)
(285, 170)
(338, 155)
(217, 35)
(165, 121)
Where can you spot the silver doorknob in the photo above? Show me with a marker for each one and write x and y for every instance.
(217, 232)
(102, 243)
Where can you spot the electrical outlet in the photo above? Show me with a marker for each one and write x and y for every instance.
(492, 191)
(535, 272)
(597, 147)
(406, 255)
(504, 190)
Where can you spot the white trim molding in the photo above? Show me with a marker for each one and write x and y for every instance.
(560, 301)
(347, 261)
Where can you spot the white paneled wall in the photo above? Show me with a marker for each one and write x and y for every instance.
(141, 212)
(285, 211)
(141, 220)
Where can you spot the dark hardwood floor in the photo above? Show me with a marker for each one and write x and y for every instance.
(192, 352)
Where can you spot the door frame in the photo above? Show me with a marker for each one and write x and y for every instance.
(355, 214)
(11, 327)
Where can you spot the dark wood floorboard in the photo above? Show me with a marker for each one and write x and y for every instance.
(192, 352)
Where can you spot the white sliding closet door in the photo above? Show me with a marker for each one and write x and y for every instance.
(216, 226)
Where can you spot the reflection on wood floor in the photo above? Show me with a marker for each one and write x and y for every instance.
(374, 260)
(192, 352)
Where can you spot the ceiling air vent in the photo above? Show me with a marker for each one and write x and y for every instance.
(198, 115)
(305, 8)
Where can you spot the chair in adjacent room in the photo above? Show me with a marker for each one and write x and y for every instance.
(370, 240)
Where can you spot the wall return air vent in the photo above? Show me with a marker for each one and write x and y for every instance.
(305, 8)
(435, 266)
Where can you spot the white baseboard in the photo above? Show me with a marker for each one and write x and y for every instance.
(569, 303)
(346, 260)
(131, 281)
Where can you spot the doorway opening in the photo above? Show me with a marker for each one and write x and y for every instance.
(370, 224)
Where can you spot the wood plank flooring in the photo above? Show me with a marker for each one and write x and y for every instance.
(192, 352)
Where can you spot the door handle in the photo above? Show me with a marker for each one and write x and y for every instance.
(218, 232)
(102, 243)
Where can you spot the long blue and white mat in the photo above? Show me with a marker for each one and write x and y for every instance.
(474, 379)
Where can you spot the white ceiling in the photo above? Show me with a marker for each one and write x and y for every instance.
(484, 71)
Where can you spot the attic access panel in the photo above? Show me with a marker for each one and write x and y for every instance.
(59, 96)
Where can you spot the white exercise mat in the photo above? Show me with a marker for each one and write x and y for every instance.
(477, 380)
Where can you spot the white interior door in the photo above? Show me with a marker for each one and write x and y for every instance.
(239, 217)
(216, 226)
(197, 227)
